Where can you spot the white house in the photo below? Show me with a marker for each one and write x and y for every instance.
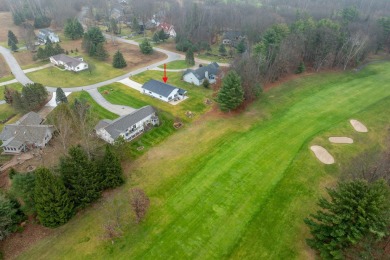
(168, 29)
(197, 76)
(129, 126)
(45, 34)
(163, 91)
(75, 64)
(25, 134)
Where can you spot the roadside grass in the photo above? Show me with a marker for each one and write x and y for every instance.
(97, 111)
(16, 86)
(55, 77)
(124, 95)
(6, 111)
(7, 78)
(237, 186)
(176, 65)
(13, 119)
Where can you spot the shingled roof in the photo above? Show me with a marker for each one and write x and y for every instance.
(200, 73)
(161, 88)
(70, 61)
(121, 124)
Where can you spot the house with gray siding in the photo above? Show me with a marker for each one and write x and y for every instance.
(163, 91)
(197, 76)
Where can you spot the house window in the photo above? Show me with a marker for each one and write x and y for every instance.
(150, 92)
(160, 96)
(85, 65)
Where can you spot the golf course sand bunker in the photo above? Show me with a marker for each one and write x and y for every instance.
(340, 140)
(359, 127)
(322, 154)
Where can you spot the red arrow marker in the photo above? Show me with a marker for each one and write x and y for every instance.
(165, 78)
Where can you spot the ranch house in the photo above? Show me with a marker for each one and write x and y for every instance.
(163, 91)
(129, 126)
(197, 76)
(75, 64)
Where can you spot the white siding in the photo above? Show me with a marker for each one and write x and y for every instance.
(190, 78)
(166, 99)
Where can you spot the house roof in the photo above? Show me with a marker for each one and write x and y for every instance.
(160, 88)
(31, 118)
(70, 61)
(200, 73)
(25, 134)
(232, 35)
(44, 33)
(165, 26)
(121, 124)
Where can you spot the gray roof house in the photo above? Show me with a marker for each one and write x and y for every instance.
(128, 126)
(197, 76)
(75, 64)
(163, 91)
(25, 134)
(45, 34)
(232, 38)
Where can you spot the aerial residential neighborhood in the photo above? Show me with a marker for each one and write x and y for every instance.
(208, 129)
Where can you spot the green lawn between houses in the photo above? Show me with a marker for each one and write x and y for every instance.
(176, 65)
(237, 187)
(53, 76)
(16, 86)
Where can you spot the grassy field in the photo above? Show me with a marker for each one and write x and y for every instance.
(176, 65)
(6, 111)
(237, 186)
(58, 78)
(98, 112)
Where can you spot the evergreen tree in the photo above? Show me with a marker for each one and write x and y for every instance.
(162, 35)
(241, 48)
(92, 38)
(73, 29)
(111, 170)
(190, 57)
(80, 177)
(17, 102)
(135, 25)
(156, 37)
(206, 83)
(301, 68)
(146, 47)
(231, 94)
(60, 96)
(18, 18)
(222, 50)
(10, 215)
(101, 52)
(14, 47)
(52, 202)
(119, 61)
(23, 186)
(355, 210)
(12, 38)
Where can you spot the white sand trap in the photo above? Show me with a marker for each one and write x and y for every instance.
(340, 140)
(359, 127)
(322, 154)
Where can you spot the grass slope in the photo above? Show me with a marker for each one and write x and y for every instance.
(238, 187)
(176, 65)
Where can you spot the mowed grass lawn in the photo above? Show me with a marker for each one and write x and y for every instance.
(194, 103)
(55, 77)
(97, 112)
(237, 187)
(16, 86)
(176, 65)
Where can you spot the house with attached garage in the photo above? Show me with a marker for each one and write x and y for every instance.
(167, 28)
(26, 134)
(163, 91)
(197, 76)
(45, 34)
(128, 126)
(75, 64)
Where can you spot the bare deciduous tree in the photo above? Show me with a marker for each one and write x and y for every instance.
(139, 202)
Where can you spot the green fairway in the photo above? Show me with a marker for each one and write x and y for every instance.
(237, 186)
(98, 112)
(52, 76)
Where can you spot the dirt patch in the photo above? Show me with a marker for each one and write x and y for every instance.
(6, 22)
(4, 69)
(341, 140)
(358, 126)
(18, 242)
(322, 154)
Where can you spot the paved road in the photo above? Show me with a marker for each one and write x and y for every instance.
(14, 66)
(116, 109)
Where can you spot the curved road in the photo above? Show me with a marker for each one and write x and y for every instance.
(92, 89)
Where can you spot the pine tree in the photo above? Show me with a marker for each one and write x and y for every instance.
(146, 47)
(60, 96)
(111, 170)
(241, 48)
(80, 177)
(14, 47)
(12, 38)
(73, 29)
(101, 52)
(119, 61)
(162, 35)
(10, 215)
(92, 38)
(231, 94)
(301, 68)
(190, 57)
(156, 37)
(355, 209)
(222, 50)
(52, 202)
